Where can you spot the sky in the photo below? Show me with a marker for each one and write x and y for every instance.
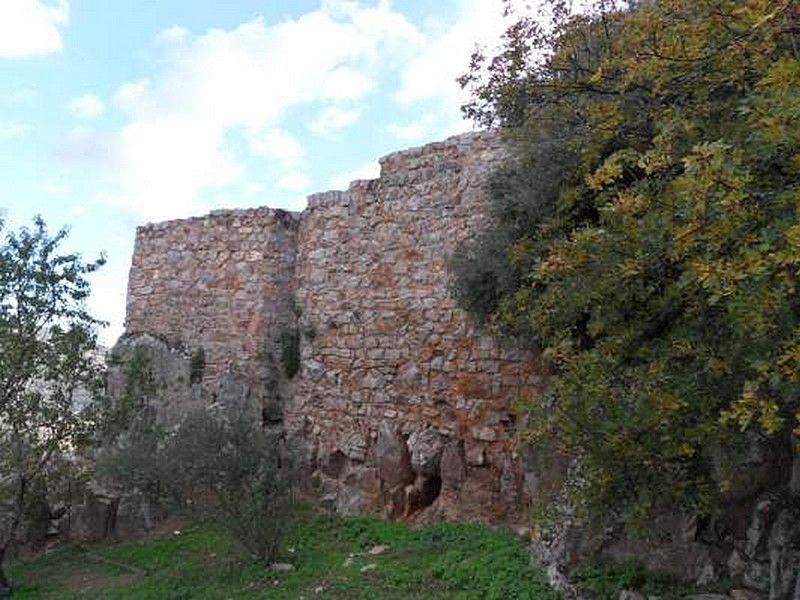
(115, 113)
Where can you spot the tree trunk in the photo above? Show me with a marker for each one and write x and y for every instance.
(11, 533)
(5, 584)
(794, 482)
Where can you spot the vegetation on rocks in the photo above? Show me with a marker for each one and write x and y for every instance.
(219, 463)
(646, 239)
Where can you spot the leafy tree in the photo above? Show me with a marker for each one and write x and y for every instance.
(219, 464)
(659, 272)
(47, 371)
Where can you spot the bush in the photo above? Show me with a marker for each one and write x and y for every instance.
(231, 472)
(219, 464)
(605, 581)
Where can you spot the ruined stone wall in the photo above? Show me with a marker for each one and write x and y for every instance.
(389, 359)
(400, 406)
(220, 282)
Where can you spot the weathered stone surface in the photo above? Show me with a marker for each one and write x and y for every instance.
(453, 465)
(362, 274)
(630, 595)
(168, 368)
(219, 282)
(745, 594)
(392, 457)
(784, 555)
(94, 517)
(425, 447)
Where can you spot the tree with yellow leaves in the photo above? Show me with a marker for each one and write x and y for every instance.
(647, 238)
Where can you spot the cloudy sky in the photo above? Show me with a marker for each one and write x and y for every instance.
(114, 113)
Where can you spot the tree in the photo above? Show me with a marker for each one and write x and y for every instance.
(660, 276)
(47, 368)
(218, 463)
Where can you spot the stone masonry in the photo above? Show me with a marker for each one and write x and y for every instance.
(400, 406)
(219, 282)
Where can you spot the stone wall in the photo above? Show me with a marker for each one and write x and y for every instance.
(386, 352)
(400, 406)
(220, 282)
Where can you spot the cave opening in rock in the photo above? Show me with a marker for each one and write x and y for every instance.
(424, 493)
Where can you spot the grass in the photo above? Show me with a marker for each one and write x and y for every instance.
(605, 581)
(330, 555)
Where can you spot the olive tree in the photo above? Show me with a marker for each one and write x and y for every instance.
(217, 463)
(47, 367)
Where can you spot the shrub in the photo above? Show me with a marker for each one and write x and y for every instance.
(231, 472)
(219, 464)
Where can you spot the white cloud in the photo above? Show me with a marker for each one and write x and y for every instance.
(419, 128)
(252, 189)
(31, 27)
(370, 170)
(88, 106)
(334, 118)
(278, 144)
(294, 181)
(433, 73)
(178, 143)
(173, 35)
(11, 130)
(128, 94)
(410, 131)
(168, 161)
(53, 189)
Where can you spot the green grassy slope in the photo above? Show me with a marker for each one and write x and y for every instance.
(330, 555)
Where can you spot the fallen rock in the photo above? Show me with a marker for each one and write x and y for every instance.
(281, 567)
(375, 550)
(630, 595)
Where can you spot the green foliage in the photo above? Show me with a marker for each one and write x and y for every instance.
(606, 581)
(197, 366)
(231, 468)
(464, 562)
(219, 463)
(130, 407)
(290, 351)
(49, 377)
(659, 276)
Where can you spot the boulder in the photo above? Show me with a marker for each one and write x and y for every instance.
(392, 457)
(453, 465)
(784, 555)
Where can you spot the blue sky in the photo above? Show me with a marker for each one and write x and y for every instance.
(115, 113)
